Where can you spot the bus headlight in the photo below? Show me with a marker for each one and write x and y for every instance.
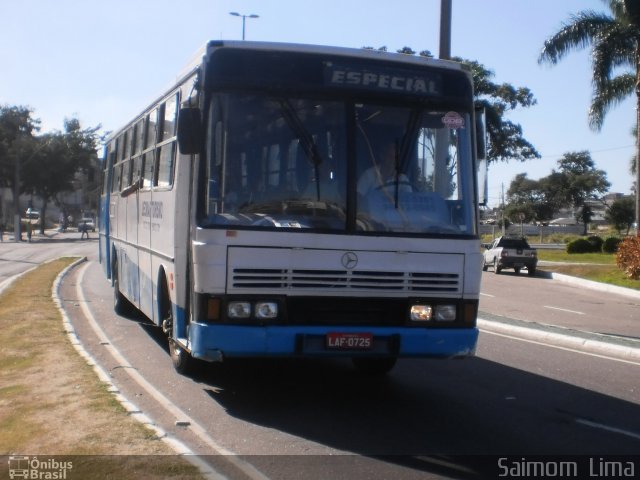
(266, 310)
(445, 313)
(239, 309)
(421, 313)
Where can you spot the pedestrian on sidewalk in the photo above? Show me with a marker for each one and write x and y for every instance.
(84, 229)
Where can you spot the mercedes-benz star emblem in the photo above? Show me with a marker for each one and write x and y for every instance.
(349, 260)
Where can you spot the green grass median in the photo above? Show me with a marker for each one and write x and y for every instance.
(52, 404)
(599, 267)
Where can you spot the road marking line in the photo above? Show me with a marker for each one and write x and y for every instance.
(557, 347)
(564, 310)
(487, 295)
(601, 426)
(174, 410)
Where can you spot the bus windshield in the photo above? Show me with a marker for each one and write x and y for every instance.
(276, 162)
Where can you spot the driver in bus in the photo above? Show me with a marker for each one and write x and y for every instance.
(382, 176)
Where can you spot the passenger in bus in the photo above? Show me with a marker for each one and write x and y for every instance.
(382, 176)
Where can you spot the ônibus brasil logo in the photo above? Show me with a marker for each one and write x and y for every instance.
(33, 468)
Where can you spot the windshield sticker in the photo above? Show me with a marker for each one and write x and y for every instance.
(453, 120)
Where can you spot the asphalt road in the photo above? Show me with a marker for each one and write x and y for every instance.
(283, 418)
(18, 257)
(546, 301)
(427, 419)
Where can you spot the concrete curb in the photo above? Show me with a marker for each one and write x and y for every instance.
(593, 343)
(134, 412)
(603, 287)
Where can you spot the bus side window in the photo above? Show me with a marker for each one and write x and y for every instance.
(126, 173)
(117, 165)
(166, 158)
(148, 166)
(147, 169)
(167, 153)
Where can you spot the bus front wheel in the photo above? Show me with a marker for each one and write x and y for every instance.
(182, 360)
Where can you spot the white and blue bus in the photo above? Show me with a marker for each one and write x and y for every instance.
(300, 201)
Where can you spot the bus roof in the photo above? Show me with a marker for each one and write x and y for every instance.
(331, 50)
(364, 53)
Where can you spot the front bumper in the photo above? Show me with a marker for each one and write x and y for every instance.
(517, 263)
(215, 342)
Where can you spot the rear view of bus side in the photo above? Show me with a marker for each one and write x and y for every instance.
(300, 201)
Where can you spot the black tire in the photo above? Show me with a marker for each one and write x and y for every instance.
(484, 266)
(496, 268)
(517, 270)
(182, 360)
(531, 271)
(376, 366)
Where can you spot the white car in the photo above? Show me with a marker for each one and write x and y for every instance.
(89, 222)
(506, 252)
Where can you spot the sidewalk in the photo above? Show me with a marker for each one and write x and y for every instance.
(49, 234)
(10, 237)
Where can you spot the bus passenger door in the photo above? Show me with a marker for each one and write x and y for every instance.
(144, 227)
(133, 218)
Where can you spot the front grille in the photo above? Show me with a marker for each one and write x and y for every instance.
(346, 311)
(294, 279)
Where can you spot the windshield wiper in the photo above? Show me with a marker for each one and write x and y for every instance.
(403, 148)
(306, 139)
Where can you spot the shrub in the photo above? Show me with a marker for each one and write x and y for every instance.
(581, 245)
(610, 244)
(569, 238)
(628, 257)
(596, 243)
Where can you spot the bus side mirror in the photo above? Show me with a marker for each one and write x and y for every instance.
(189, 130)
(481, 156)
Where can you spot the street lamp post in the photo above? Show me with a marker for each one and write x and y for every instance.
(244, 19)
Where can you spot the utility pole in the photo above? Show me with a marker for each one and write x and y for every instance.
(445, 29)
(504, 230)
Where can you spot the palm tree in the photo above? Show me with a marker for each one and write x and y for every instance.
(615, 49)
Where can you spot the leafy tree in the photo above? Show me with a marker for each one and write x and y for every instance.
(620, 214)
(61, 155)
(614, 39)
(583, 181)
(585, 215)
(17, 127)
(528, 196)
(506, 140)
(407, 51)
(576, 181)
(552, 188)
(520, 213)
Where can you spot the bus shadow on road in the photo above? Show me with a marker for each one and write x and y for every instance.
(424, 412)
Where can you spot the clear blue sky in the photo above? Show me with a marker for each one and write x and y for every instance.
(103, 61)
